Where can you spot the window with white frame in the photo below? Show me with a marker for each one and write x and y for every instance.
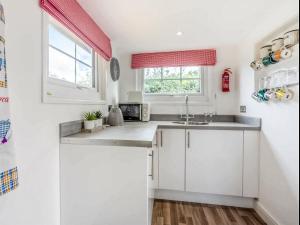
(174, 81)
(70, 60)
(73, 72)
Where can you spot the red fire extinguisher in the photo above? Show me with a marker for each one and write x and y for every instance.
(226, 80)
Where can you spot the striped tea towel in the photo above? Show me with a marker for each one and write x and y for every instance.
(8, 168)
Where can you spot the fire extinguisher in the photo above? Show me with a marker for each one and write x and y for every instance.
(226, 80)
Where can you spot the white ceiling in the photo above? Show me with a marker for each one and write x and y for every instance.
(151, 25)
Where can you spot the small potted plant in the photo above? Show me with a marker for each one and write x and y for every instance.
(99, 118)
(89, 120)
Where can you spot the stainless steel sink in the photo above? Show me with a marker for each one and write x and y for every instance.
(191, 123)
(198, 123)
(179, 122)
(187, 116)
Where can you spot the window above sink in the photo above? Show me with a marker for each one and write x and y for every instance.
(170, 85)
(174, 81)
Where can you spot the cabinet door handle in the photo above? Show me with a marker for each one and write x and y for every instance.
(188, 139)
(152, 165)
(161, 138)
(156, 140)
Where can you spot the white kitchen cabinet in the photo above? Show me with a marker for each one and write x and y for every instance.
(155, 165)
(251, 164)
(152, 179)
(172, 159)
(214, 162)
(106, 185)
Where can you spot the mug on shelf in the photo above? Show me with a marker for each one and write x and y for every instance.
(289, 95)
(265, 51)
(291, 38)
(253, 65)
(276, 56)
(267, 61)
(262, 95)
(286, 53)
(256, 97)
(256, 65)
(270, 94)
(277, 44)
(284, 94)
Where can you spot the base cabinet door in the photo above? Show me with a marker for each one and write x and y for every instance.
(104, 185)
(172, 159)
(214, 162)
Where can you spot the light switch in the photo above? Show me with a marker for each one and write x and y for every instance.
(243, 109)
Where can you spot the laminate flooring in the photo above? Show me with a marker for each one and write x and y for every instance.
(182, 213)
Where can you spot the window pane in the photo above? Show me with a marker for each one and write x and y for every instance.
(191, 86)
(171, 73)
(153, 73)
(84, 76)
(171, 87)
(175, 81)
(84, 54)
(61, 66)
(152, 86)
(60, 41)
(191, 72)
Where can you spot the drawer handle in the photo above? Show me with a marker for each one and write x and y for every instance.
(152, 165)
(189, 139)
(161, 138)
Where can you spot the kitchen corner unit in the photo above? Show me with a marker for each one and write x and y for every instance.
(121, 170)
(99, 182)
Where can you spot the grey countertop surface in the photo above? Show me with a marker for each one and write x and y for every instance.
(136, 134)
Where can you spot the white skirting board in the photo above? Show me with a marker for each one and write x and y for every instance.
(264, 214)
(205, 198)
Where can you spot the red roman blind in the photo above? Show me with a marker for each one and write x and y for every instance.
(205, 57)
(74, 17)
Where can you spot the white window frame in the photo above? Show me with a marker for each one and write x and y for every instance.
(204, 98)
(60, 91)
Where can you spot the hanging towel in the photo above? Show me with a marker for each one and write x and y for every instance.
(8, 168)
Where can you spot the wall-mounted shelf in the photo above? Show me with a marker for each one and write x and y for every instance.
(279, 78)
(283, 73)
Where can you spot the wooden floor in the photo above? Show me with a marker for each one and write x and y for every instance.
(180, 213)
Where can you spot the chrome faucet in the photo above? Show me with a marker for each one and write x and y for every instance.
(187, 115)
(187, 109)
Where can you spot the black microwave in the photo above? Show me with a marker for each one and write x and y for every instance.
(135, 111)
(131, 112)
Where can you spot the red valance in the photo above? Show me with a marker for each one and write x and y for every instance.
(74, 17)
(205, 57)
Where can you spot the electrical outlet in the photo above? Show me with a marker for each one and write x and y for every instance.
(243, 109)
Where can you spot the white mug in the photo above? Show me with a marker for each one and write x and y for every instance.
(265, 51)
(286, 53)
(256, 65)
(291, 38)
(277, 44)
(289, 94)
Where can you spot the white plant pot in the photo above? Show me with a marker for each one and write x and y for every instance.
(89, 125)
(99, 123)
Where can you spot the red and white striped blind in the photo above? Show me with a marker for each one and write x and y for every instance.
(205, 57)
(74, 17)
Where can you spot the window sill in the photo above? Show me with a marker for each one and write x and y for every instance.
(194, 100)
(54, 100)
(180, 103)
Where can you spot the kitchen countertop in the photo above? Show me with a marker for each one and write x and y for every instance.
(137, 134)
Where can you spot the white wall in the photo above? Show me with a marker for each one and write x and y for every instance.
(279, 182)
(226, 103)
(35, 125)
